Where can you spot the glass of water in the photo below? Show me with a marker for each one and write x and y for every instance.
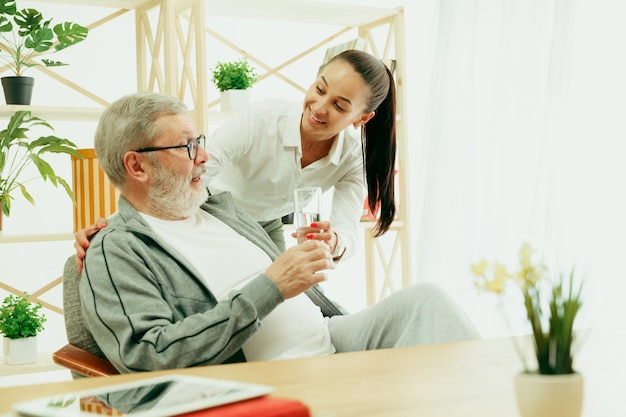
(307, 209)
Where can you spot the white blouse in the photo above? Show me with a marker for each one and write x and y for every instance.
(256, 156)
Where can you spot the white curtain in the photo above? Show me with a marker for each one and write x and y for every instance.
(525, 141)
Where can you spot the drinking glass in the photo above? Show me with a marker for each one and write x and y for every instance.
(307, 209)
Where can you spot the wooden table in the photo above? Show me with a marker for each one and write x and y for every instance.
(466, 379)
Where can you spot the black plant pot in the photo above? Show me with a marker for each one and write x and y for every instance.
(18, 90)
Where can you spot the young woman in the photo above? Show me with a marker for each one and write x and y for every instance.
(342, 137)
(276, 146)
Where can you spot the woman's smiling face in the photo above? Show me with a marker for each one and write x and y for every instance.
(336, 100)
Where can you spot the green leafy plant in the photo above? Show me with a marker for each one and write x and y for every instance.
(25, 35)
(551, 307)
(234, 75)
(17, 152)
(20, 318)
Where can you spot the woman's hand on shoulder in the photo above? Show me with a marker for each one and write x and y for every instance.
(82, 238)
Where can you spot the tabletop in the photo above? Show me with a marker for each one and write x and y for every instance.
(455, 379)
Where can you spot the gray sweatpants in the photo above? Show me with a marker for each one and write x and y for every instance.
(416, 315)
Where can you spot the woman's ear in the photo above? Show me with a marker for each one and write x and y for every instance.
(134, 164)
(364, 119)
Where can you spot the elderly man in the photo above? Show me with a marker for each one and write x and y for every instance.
(181, 278)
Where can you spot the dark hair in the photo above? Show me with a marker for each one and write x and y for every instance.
(378, 135)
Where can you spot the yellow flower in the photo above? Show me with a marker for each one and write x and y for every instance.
(480, 268)
(483, 282)
(525, 252)
(495, 285)
(500, 272)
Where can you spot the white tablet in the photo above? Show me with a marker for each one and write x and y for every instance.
(152, 397)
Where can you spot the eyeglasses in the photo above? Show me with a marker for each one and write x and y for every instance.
(192, 147)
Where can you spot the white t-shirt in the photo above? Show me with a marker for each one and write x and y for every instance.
(256, 156)
(226, 260)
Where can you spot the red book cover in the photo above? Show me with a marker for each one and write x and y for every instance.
(266, 406)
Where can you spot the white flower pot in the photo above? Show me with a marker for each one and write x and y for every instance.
(234, 100)
(549, 395)
(20, 351)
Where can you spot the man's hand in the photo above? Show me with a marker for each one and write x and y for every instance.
(300, 267)
(83, 237)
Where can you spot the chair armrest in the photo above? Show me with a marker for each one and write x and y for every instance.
(83, 362)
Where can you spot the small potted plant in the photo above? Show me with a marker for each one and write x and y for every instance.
(233, 79)
(17, 153)
(551, 309)
(20, 321)
(25, 36)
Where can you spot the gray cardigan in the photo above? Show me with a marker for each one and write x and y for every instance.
(148, 308)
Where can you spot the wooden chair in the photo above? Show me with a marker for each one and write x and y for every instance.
(81, 355)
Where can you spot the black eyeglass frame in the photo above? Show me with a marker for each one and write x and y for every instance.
(192, 150)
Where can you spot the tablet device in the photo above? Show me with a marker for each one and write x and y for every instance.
(152, 397)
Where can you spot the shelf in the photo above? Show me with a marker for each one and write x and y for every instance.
(55, 113)
(45, 237)
(117, 4)
(327, 12)
(77, 114)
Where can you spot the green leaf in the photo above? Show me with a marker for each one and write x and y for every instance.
(50, 63)
(6, 206)
(28, 21)
(69, 34)
(68, 189)
(5, 24)
(44, 168)
(25, 193)
(8, 7)
(40, 40)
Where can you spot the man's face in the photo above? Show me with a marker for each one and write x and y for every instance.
(176, 187)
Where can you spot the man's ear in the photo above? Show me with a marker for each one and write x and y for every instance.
(135, 165)
(364, 119)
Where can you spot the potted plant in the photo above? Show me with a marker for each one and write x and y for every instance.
(17, 153)
(551, 386)
(20, 321)
(233, 79)
(25, 36)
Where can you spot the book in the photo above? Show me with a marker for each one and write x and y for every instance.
(265, 406)
(358, 43)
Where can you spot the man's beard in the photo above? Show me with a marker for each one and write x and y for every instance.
(172, 196)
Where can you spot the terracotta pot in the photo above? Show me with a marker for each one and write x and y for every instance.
(549, 395)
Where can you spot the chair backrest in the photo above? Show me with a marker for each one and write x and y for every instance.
(77, 333)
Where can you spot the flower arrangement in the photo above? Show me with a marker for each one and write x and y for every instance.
(20, 318)
(551, 307)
